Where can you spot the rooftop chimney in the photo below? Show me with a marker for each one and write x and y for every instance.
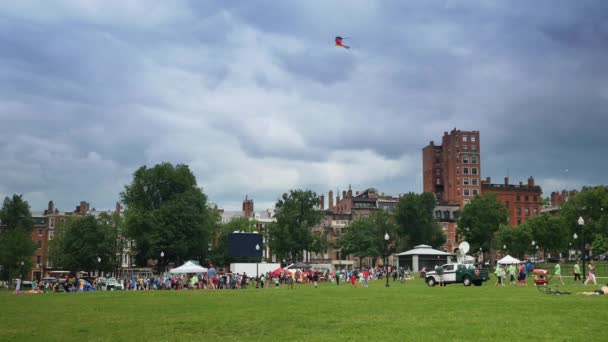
(331, 199)
(506, 180)
(117, 208)
(530, 181)
(322, 200)
(489, 180)
(51, 206)
(343, 193)
(350, 191)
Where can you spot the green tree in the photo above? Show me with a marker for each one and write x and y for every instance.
(415, 221)
(549, 232)
(479, 221)
(296, 214)
(364, 237)
(85, 244)
(16, 246)
(517, 239)
(600, 244)
(167, 212)
(592, 205)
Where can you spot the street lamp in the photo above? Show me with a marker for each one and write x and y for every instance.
(386, 237)
(98, 266)
(257, 277)
(532, 244)
(162, 259)
(581, 223)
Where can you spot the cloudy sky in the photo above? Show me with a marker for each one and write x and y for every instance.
(256, 99)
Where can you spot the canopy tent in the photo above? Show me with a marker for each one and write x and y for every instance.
(278, 271)
(188, 267)
(299, 265)
(508, 260)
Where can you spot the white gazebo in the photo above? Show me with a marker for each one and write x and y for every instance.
(508, 260)
(423, 256)
(188, 267)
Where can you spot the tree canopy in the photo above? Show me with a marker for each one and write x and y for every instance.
(479, 221)
(296, 213)
(16, 246)
(415, 221)
(364, 237)
(167, 212)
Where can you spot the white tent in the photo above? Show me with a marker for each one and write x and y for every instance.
(188, 267)
(508, 260)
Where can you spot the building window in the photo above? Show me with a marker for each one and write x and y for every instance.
(38, 260)
(518, 198)
(51, 234)
(527, 198)
(465, 148)
(52, 222)
(438, 181)
(527, 211)
(474, 181)
(535, 211)
(518, 221)
(466, 192)
(446, 215)
(473, 139)
(465, 170)
(473, 159)
(475, 192)
(457, 170)
(465, 181)
(466, 201)
(39, 246)
(507, 204)
(474, 148)
(39, 231)
(465, 138)
(465, 159)
(518, 211)
(474, 170)
(438, 214)
(535, 199)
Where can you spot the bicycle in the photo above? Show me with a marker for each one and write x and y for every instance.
(546, 289)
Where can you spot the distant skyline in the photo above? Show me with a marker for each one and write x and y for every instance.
(256, 99)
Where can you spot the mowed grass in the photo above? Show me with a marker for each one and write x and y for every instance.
(403, 312)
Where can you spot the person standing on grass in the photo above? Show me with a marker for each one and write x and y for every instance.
(337, 276)
(591, 273)
(211, 274)
(558, 272)
(522, 275)
(315, 279)
(577, 271)
(366, 278)
(439, 271)
(512, 273)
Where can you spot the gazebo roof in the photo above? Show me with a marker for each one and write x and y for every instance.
(424, 250)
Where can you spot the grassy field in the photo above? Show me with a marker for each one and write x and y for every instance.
(403, 312)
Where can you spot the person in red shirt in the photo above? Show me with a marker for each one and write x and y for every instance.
(365, 277)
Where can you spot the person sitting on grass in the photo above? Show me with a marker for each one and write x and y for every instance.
(602, 291)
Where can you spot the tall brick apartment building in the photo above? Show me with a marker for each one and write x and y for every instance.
(521, 200)
(452, 170)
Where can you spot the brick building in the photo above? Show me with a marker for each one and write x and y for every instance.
(45, 228)
(521, 200)
(446, 216)
(452, 170)
(339, 214)
(557, 198)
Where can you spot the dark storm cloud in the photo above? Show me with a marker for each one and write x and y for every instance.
(257, 100)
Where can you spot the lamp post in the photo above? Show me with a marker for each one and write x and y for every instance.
(536, 253)
(581, 223)
(98, 266)
(386, 237)
(162, 261)
(257, 249)
(480, 255)
(534, 243)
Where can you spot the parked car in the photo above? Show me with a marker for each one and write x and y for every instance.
(112, 284)
(553, 260)
(466, 274)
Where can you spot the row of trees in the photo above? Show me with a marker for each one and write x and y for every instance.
(484, 224)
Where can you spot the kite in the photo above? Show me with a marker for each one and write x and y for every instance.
(339, 42)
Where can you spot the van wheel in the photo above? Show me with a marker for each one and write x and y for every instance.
(467, 281)
(430, 281)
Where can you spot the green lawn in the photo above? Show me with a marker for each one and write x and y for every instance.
(410, 312)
